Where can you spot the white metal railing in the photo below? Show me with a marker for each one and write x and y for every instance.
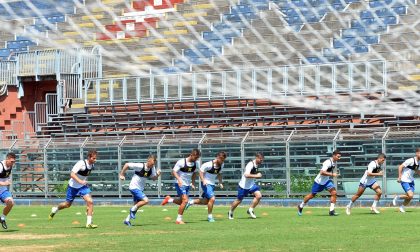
(7, 75)
(40, 115)
(52, 107)
(290, 80)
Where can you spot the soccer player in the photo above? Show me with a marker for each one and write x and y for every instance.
(323, 181)
(142, 171)
(247, 186)
(185, 173)
(209, 171)
(78, 186)
(369, 180)
(5, 196)
(406, 177)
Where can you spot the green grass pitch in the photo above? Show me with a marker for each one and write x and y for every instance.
(275, 229)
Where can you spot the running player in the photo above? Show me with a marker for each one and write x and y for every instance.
(247, 186)
(323, 181)
(368, 180)
(142, 171)
(406, 177)
(208, 173)
(184, 172)
(5, 196)
(78, 186)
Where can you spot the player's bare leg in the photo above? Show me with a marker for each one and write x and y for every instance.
(376, 198)
(255, 202)
(89, 205)
(233, 206)
(355, 197)
(333, 200)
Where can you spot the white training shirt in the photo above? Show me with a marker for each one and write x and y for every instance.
(138, 182)
(79, 166)
(321, 179)
(210, 178)
(4, 188)
(368, 180)
(407, 173)
(247, 183)
(185, 176)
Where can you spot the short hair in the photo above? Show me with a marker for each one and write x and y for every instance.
(11, 155)
(196, 152)
(92, 153)
(418, 149)
(381, 155)
(152, 156)
(335, 152)
(221, 153)
(259, 154)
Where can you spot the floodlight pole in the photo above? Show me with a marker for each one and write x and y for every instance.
(46, 168)
(119, 166)
(288, 168)
(159, 163)
(384, 137)
(334, 148)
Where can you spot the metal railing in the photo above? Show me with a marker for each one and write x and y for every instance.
(290, 80)
(292, 159)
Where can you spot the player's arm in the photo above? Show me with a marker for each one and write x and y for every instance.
(219, 177)
(194, 175)
(123, 171)
(5, 183)
(177, 177)
(77, 179)
(156, 176)
(324, 171)
(400, 168)
(75, 170)
(201, 174)
(248, 174)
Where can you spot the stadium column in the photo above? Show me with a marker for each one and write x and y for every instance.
(384, 186)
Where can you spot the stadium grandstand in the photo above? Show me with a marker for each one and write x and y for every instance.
(294, 79)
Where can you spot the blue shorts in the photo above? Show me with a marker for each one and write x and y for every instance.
(4, 195)
(208, 191)
(244, 192)
(183, 190)
(138, 195)
(73, 192)
(316, 188)
(367, 186)
(408, 186)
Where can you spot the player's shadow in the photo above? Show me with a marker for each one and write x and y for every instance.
(10, 231)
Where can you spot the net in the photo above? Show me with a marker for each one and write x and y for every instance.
(354, 56)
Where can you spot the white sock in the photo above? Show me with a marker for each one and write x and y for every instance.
(210, 216)
(350, 204)
(302, 204)
(128, 218)
(3, 217)
(332, 206)
(89, 220)
(171, 200)
(231, 210)
(191, 202)
(133, 208)
(179, 218)
(375, 202)
(54, 210)
(251, 209)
